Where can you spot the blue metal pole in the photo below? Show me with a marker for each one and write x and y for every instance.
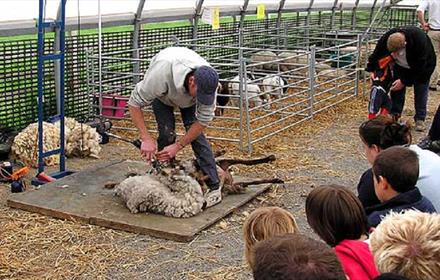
(40, 69)
(62, 45)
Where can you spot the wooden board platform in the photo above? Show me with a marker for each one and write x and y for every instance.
(82, 197)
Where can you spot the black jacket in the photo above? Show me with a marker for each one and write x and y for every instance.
(412, 199)
(365, 189)
(419, 54)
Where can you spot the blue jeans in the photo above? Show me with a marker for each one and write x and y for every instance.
(166, 124)
(420, 100)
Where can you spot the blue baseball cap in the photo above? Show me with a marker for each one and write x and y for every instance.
(206, 79)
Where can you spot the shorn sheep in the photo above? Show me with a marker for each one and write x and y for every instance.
(274, 85)
(178, 191)
(81, 141)
(254, 96)
(264, 57)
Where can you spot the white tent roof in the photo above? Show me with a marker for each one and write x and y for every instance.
(409, 3)
(11, 10)
(20, 15)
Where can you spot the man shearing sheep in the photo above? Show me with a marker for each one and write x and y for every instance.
(179, 78)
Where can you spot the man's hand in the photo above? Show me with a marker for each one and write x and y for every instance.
(425, 26)
(148, 148)
(169, 152)
(397, 85)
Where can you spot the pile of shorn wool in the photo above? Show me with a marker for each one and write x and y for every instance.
(81, 141)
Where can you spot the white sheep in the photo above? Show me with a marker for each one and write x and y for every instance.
(254, 96)
(293, 60)
(274, 85)
(178, 195)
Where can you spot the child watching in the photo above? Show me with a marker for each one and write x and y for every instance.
(381, 133)
(295, 257)
(264, 223)
(382, 79)
(395, 174)
(408, 244)
(337, 216)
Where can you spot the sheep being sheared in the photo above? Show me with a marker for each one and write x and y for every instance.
(178, 191)
(177, 195)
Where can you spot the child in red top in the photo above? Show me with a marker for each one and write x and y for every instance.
(337, 216)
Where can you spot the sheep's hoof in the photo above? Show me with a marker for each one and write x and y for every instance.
(233, 189)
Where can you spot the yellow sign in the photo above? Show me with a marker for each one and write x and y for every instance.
(216, 19)
(261, 11)
(212, 16)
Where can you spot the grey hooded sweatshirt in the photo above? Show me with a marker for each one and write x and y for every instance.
(165, 79)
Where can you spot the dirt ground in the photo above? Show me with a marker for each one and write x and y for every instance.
(324, 150)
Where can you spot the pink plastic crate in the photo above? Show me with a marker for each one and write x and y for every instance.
(117, 101)
(107, 101)
(120, 103)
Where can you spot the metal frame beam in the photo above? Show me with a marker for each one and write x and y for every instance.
(196, 18)
(353, 15)
(309, 12)
(280, 12)
(372, 11)
(243, 13)
(332, 17)
(135, 43)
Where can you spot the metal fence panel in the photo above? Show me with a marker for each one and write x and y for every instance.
(18, 63)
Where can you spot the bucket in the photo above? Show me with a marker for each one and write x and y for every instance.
(343, 61)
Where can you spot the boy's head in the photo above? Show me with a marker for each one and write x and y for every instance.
(408, 244)
(335, 214)
(264, 223)
(396, 170)
(295, 257)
